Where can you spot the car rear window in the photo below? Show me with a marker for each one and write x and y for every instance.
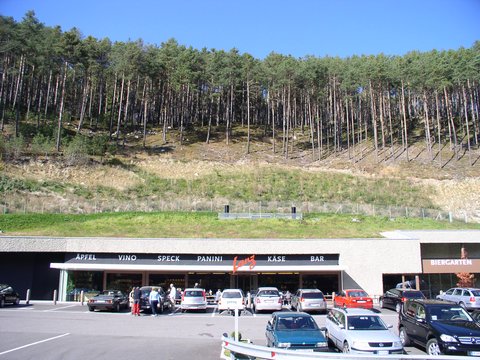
(475, 292)
(194, 293)
(413, 295)
(312, 295)
(357, 293)
(268, 293)
(232, 295)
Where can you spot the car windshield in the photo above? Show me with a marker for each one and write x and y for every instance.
(366, 322)
(268, 293)
(312, 295)
(296, 323)
(357, 293)
(232, 295)
(449, 314)
(194, 293)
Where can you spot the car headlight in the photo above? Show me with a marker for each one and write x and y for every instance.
(321, 344)
(284, 344)
(447, 338)
(397, 344)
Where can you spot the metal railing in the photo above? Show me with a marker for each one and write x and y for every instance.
(232, 349)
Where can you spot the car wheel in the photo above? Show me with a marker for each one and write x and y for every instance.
(346, 348)
(2, 303)
(433, 348)
(117, 308)
(404, 337)
(91, 308)
(380, 303)
(398, 307)
(17, 301)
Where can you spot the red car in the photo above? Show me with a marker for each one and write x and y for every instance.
(353, 298)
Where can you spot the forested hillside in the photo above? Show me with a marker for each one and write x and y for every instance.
(63, 94)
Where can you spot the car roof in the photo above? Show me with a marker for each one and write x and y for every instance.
(356, 311)
(193, 289)
(290, 313)
(267, 288)
(433, 302)
(309, 290)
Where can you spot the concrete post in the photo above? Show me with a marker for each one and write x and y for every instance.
(27, 298)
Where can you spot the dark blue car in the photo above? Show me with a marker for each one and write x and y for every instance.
(295, 330)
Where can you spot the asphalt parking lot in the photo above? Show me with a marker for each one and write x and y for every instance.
(69, 331)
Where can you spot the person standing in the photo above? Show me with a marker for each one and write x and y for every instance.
(172, 295)
(154, 298)
(136, 301)
(218, 295)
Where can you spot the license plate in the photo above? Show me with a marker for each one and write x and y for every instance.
(100, 301)
(315, 305)
(382, 352)
(269, 301)
(361, 301)
(231, 302)
(474, 353)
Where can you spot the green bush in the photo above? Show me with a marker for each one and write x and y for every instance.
(76, 151)
(42, 145)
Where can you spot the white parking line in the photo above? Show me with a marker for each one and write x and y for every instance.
(35, 343)
(214, 311)
(60, 308)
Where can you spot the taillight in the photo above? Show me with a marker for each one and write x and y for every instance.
(280, 300)
(183, 296)
(302, 299)
(257, 300)
(204, 296)
(404, 299)
(472, 299)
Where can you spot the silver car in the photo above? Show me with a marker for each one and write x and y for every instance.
(194, 299)
(309, 300)
(469, 298)
(267, 298)
(361, 331)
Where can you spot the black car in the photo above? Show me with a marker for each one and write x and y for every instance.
(144, 298)
(394, 298)
(439, 327)
(114, 300)
(8, 295)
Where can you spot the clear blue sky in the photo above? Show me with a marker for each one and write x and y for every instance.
(258, 27)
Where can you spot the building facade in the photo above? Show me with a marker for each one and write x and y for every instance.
(48, 264)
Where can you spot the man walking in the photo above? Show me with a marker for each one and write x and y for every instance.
(154, 298)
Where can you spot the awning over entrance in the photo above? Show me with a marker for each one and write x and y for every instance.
(227, 263)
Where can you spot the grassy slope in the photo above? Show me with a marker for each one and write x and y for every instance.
(207, 225)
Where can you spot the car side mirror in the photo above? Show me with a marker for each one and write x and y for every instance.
(323, 328)
(389, 326)
(341, 326)
(420, 320)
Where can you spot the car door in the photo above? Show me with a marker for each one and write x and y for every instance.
(389, 298)
(271, 324)
(340, 299)
(335, 324)
(409, 322)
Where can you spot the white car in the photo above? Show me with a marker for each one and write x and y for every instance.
(267, 298)
(231, 299)
(194, 299)
(469, 298)
(361, 331)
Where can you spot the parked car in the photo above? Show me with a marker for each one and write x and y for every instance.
(361, 331)
(145, 302)
(267, 298)
(297, 331)
(194, 299)
(8, 295)
(469, 298)
(231, 299)
(309, 300)
(395, 298)
(439, 327)
(353, 298)
(114, 300)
